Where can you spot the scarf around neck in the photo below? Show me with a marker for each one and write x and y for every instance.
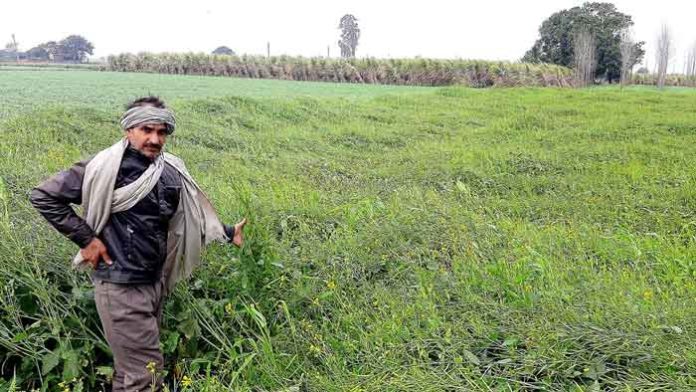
(194, 224)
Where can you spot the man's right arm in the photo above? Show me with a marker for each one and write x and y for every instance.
(53, 197)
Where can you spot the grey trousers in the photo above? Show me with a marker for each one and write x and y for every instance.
(131, 317)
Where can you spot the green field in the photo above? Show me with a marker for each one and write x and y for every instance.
(25, 87)
(400, 239)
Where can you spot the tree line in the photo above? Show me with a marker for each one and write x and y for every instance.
(73, 48)
(596, 40)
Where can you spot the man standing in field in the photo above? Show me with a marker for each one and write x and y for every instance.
(145, 223)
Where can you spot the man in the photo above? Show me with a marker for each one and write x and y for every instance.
(145, 222)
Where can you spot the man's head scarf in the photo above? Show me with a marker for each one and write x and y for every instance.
(141, 115)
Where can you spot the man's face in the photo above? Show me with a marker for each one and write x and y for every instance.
(149, 139)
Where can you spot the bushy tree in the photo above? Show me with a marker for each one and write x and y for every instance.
(603, 21)
(74, 48)
(223, 50)
(38, 53)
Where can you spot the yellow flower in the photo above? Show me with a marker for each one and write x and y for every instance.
(331, 285)
(229, 308)
(314, 350)
(151, 367)
(186, 381)
(647, 295)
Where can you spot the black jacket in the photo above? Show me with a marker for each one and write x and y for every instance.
(135, 239)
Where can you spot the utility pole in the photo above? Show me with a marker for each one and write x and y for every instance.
(328, 51)
(268, 49)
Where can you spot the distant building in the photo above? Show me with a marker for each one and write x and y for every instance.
(9, 55)
(6, 55)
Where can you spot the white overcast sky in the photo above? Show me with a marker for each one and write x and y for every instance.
(493, 30)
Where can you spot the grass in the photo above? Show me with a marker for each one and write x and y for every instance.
(20, 90)
(399, 239)
(44, 66)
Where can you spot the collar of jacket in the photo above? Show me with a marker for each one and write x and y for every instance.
(132, 152)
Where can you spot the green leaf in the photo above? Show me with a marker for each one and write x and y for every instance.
(256, 315)
(189, 327)
(197, 364)
(50, 361)
(170, 343)
(106, 371)
(71, 364)
(471, 357)
(78, 387)
(511, 342)
(78, 293)
(595, 387)
(20, 336)
(325, 295)
(462, 187)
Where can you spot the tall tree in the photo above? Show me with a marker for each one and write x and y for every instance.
(664, 52)
(584, 56)
(350, 33)
(13, 47)
(16, 46)
(691, 61)
(74, 48)
(627, 49)
(602, 20)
